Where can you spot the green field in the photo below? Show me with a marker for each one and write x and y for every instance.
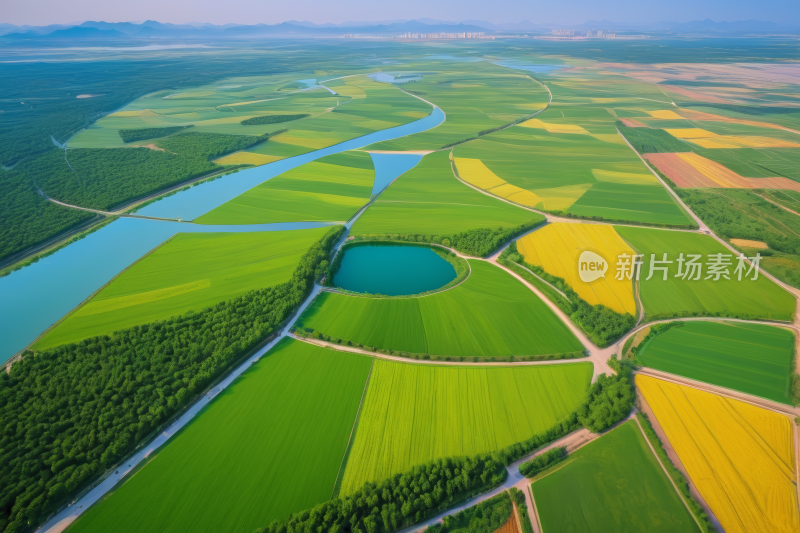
(332, 188)
(751, 358)
(678, 297)
(270, 445)
(189, 272)
(613, 485)
(428, 199)
(587, 172)
(490, 315)
(415, 413)
(475, 97)
(220, 107)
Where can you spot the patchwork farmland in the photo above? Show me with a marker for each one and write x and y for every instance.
(186, 353)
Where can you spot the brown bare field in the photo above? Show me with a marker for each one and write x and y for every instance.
(633, 123)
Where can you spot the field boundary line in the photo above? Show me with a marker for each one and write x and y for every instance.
(664, 469)
(407, 360)
(340, 473)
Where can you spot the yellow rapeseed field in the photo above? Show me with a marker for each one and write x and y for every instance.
(665, 114)
(739, 456)
(246, 158)
(474, 172)
(743, 141)
(557, 247)
(554, 128)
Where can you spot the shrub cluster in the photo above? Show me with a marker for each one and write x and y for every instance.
(486, 517)
(522, 509)
(70, 412)
(141, 134)
(542, 462)
(273, 119)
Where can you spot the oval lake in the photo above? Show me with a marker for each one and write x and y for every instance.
(392, 269)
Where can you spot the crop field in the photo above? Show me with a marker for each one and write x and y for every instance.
(582, 166)
(557, 247)
(676, 296)
(613, 484)
(190, 272)
(740, 457)
(428, 199)
(332, 188)
(490, 315)
(270, 445)
(751, 358)
(475, 97)
(222, 106)
(415, 413)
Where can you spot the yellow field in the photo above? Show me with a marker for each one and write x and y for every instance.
(739, 456)
(746, 243)
(665, 114)
(557, 247)
(743, 141)
(553, 128)
(474, 172)
(690, 133)
(627, 178)
(126, 114)
(246, 158)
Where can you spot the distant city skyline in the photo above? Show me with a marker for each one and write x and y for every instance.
(44, 12)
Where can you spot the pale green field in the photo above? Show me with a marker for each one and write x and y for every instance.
(332, 188)
(190, 272)
(413, 414)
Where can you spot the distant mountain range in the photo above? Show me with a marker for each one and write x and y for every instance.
(151, 29)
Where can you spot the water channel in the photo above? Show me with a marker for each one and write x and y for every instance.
(35, 297)
(392, 269)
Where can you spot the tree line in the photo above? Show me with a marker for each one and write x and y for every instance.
(601, 324)
(542, 462)
(272, 119)
(70, 412)
(101, 178)
(486, 517)
(141, 134)
(478, 242)
(423, 491)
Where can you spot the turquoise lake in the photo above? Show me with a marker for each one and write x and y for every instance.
(393, 270)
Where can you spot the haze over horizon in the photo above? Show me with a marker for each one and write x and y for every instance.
(44, 12)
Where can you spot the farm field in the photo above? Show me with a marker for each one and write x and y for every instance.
(613, 484)
(269, 446)
(415, 413)
(332, 188)
(557, 247)
(475, 96)
(675, 297)
(740, 457)
(220, 107)
(429, 200)
(189, 272)
(751, 358)
(582, 167)
(490, 315)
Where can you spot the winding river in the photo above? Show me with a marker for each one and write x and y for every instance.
(38, 295)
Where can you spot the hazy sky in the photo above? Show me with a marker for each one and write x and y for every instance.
(41, 12)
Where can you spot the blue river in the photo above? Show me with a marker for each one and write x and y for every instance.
(37, 296)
